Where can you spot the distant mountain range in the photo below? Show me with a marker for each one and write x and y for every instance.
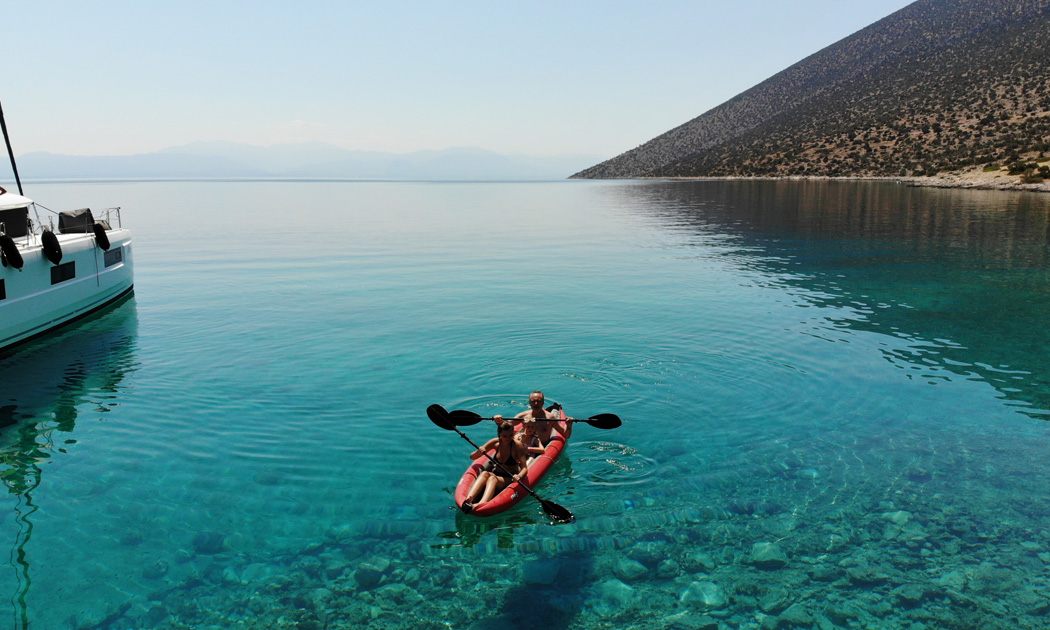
(938, 85)
(311, 160)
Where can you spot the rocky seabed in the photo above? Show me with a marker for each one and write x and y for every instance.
(886, 567)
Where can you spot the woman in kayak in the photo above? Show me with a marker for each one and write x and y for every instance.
(513, 460)
(545, 420)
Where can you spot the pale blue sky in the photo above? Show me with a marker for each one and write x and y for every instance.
(538, 78)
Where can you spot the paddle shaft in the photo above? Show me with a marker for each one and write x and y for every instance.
(601, 421)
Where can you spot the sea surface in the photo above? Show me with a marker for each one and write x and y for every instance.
(835, 401)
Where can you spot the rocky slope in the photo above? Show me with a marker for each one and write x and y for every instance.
(939, 85)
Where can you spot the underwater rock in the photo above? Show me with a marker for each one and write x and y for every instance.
(766, 555)
(209, 543)
(796, 616)
(843, 613)
(628, 570)
(649, 553)
(155, 570)
(761, 507)
(337, 568)
(909, 595)
(836, 541)
(1033, 603)
(255, 571)
(320, 595)
(705, 596)
(156, 614)
(820, 622)
(398, 594)
(668, 568)
(279, 582)
(988, 579)
(773, 602)
(698, 561)
(614, 594)
(688, 621)
(341, 534)
(309, 566)
(370, 572)
(866, 576)
(900, 517)
(825, 572)
(543, 571)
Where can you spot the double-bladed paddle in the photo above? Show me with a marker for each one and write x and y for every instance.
(462, 418)
(443, 419)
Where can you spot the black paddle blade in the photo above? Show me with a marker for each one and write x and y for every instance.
(557, 512)
(462, 418)
(604, 421)
(440, 417)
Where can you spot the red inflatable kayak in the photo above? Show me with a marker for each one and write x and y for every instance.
(513, 493)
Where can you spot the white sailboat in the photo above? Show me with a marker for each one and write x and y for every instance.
(50, 277)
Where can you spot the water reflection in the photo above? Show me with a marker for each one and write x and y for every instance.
(963, 276)
(45, 382)
(470, 530)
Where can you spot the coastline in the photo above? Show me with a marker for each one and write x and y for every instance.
(974, 179)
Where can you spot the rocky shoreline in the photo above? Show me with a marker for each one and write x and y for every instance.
(976, 179)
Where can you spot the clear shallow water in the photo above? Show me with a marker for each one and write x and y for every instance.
(834, 399)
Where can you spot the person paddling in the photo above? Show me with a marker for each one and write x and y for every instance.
(513, 464)
(545, 420)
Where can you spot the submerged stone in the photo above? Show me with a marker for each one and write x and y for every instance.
(699, 561)
(649, 552)
(900, 517)
(370, 572)
(768, 555)
(628, 570)
(866, 576)
(705, 596)
(796, 615)
(909, 595)
(668, 568)
(209, 543)
(155, 570)
(615, 594)
(773, 602)
(688, 621)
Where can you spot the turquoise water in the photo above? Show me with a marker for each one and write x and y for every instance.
(834, 398)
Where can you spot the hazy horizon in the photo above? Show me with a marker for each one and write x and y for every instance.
(111, 79)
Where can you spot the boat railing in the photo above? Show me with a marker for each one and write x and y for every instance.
(107, 216)
(38, 226)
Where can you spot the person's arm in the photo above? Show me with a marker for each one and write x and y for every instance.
(498, 419)
(521, 457)
(476, 453)
(565, 431)
(530, 450)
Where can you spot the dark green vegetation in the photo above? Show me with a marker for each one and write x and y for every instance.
(938, 85)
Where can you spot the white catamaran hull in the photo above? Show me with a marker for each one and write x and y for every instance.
(42, 295)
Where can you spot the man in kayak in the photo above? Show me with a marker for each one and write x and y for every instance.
(545, 420)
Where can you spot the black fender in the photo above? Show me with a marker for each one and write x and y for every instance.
(52, 249)
(10, 251)
(101, 238)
